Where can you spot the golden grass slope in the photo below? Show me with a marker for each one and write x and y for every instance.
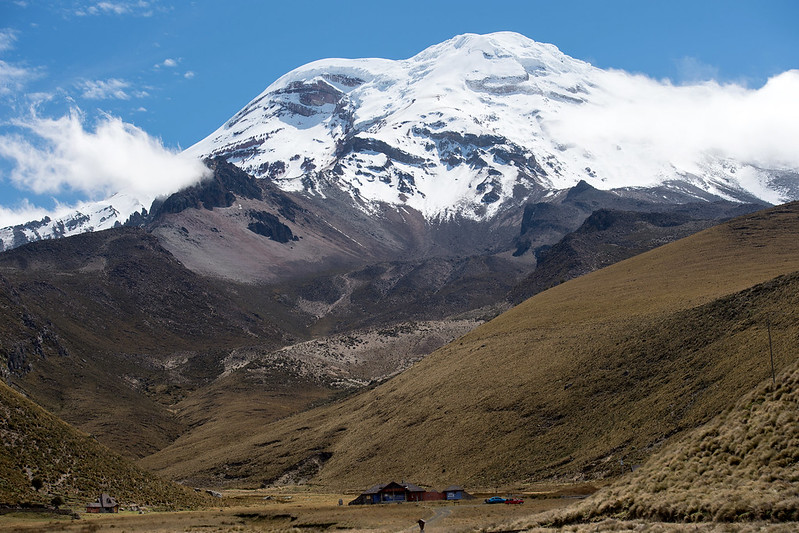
(741, 466)
(604, 368)
(70, 464)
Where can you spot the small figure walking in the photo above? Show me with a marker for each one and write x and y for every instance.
(421, 523)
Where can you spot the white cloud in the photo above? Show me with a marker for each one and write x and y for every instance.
(189, 74)
(105, 89)
(168, 63)
(7, 39)
(692, 70)
(59, 154)
(13, 77)
(660, 123)
(109, 89)
(25, 211)
(119, 7)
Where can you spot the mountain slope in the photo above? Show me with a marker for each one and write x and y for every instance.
(605, 367)
(111, 319)
(111, 332)
(70, 464)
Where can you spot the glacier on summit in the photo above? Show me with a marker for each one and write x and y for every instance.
(480, 123)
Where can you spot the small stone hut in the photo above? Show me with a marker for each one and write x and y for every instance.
(104, 504)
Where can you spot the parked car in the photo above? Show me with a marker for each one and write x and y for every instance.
(514, 500)
(495, 499)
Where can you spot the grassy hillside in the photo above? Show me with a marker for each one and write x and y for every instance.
(741, 466)
(40, 449)
(604, 368)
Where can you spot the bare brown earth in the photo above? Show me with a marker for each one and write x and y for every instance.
(109, 331)
(604, 368)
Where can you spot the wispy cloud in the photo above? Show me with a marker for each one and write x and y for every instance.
(8, 37)
(189, 74)
(61, 154)
(24, 211)
(109, 89)
(140, 8)
(14, 77)
(692, 70)
(105, 89)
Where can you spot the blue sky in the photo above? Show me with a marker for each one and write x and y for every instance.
(177, 70)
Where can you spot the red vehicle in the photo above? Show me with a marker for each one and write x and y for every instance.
(514, 500)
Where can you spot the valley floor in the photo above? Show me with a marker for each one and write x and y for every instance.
(273, 511)
(248, 511)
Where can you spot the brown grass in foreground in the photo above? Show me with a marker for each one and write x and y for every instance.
(741, 466)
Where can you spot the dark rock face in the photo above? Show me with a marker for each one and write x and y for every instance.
(314, 94)
(269, 225)
(227, 182)
(362, 144)
(606, 237)
(545, 223)
(456, 148)
(139, 218)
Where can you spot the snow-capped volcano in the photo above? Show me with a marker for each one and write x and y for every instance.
(479, 126)
(469, 126)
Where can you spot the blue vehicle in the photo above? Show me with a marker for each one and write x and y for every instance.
(495, 499)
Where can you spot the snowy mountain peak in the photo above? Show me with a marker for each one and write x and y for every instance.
(434, 132)
(493, 48)
(90, 216)
(479, 123)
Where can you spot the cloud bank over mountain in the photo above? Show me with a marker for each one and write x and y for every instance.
(680, 122)
(54, 155)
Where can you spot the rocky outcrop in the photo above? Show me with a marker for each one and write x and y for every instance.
(269, 225)
(221, 190)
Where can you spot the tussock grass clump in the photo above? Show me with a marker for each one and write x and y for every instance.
(741, 466)
(44, 460)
